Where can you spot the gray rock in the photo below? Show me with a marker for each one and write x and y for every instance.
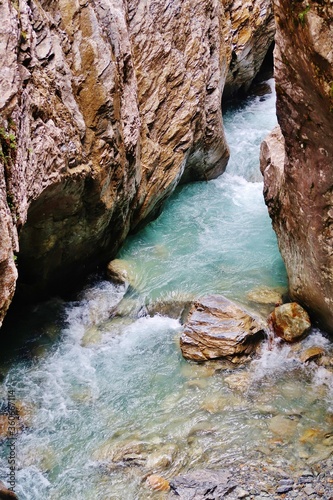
(202, 485)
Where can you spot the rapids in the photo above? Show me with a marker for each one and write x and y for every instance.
(107, 402)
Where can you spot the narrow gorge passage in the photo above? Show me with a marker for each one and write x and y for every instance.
(107, 402)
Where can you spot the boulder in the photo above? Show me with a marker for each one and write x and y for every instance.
(177, 309)
(202, 485)
(219, 328)
(311, 353)
(120, 272)
(290, 322)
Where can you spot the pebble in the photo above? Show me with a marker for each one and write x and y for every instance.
(309, 490)
(284, 489)
(243, 494)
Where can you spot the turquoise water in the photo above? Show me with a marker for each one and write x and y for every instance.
(110, 401)
(215, 236)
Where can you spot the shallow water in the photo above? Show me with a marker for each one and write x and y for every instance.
(110, 401)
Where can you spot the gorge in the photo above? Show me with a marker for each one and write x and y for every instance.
(105, 108)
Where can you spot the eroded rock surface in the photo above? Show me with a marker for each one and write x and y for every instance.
(105, 107)
(219, 328)
(290, 322)
(297, 163)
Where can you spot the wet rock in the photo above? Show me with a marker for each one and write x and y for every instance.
(157, 483)
(6, 494)
(120, 272)
(161, 458)
(91, 336)
(122, 454)
(298, 185)
(290, 322)
(238, 381)
(202, 485)
(215, 403)
(265, 295)
(219, 328)
(311, 353)
(310, 435)
(283, 489)
(176, 309)
(283, 426)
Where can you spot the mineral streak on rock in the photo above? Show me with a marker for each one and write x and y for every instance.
(297, 162)
(105, 107)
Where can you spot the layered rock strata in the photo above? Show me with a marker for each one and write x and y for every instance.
(297, 160)
(105, 106)
(218, 328)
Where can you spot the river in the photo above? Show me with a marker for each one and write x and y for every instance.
(106, 402)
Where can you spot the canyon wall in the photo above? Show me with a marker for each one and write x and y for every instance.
(105, 106)
(297, 160)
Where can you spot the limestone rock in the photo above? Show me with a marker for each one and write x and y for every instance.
(311, 353)
(105, 107)
(252, 33)
(157, 483)
(290, 321)
(218, 328)
(297, 165)
(283, 426)
(200, 484)
(265, 295)
(120, 272)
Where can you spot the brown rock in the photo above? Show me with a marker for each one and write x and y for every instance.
(297, 168)
(283, 426)
(311, 353)
(218, 328)
(120, 272)
(6, 494)
(252, 33)
(105, 107)
(290, 321)
(157, 483)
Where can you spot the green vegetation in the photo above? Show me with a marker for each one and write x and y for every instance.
(302, 15)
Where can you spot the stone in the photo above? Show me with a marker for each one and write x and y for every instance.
(311, 353)
(109, 105)
(6, 494)
(265, 295)
(243, 493)
(157, 483)
(283, 426)
(296, 160)
(120, 272)
(309, 490)
(283, 489)
(176, 309)
(290, 322)
(202, 484)
(161, 458)
(238, 381)
(219, 328)
(215, 403)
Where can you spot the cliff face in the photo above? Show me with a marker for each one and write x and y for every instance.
(297, 165)
(105, 106)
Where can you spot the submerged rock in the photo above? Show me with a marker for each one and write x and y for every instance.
(290, 322)
(158, 483)
(177, 309)
(219, 328)
(265, 295)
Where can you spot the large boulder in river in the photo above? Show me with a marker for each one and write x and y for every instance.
(290, 322)
(219, 328)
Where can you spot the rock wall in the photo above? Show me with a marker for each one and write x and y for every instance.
(297, 164)
(105, 106)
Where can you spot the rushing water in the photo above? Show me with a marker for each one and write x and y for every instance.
(109, 401)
